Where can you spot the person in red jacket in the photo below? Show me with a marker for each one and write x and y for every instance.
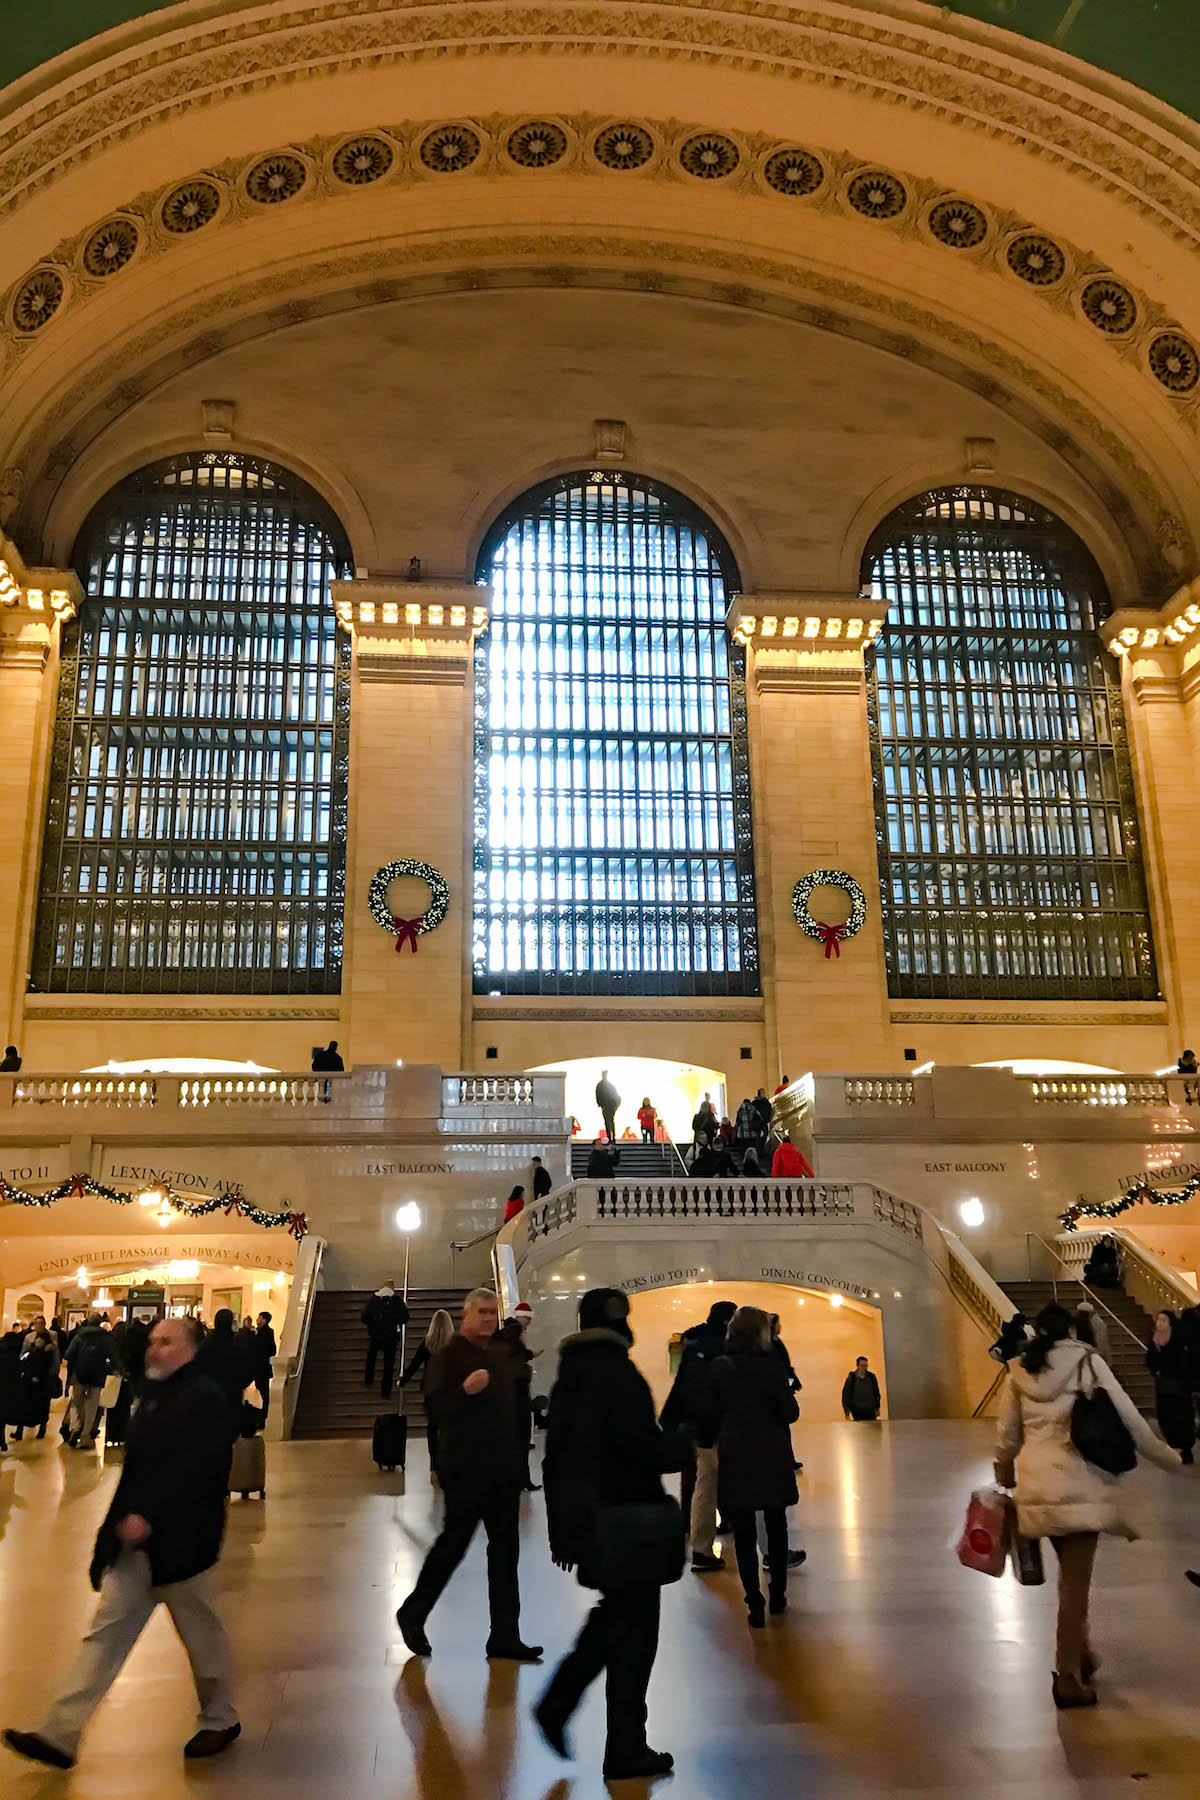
(647, 1119)
(516, 1203)
(790, 1164)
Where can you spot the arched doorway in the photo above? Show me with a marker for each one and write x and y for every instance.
(674, 1088)
(824, 1331)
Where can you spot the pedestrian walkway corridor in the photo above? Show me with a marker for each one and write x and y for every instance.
(896, 1675)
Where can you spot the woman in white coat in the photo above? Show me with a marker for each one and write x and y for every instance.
(1058, 1494)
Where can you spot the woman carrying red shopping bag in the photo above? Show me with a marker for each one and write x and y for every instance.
(1066, 1426)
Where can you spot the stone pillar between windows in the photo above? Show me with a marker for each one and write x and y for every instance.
(1160, 680)
(34, 603)
(409, 797)
(813, 808)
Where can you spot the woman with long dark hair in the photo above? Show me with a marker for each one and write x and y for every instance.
(751, 1410)
(1058, 1494)
(1169, 1361)
(514, 1204)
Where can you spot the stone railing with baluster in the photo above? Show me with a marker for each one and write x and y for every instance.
(84, 1090)
(880, 1090)
(1101, 1090)
(262, 1090)
(1153, 1283)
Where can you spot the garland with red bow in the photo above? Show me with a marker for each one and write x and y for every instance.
(75, 1187)
(831, 936)
(1142, 1195)
(407, 931)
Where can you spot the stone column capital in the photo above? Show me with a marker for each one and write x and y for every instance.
(412, 630)
(33, 604)
(805, 640)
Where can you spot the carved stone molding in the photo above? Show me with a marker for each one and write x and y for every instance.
(654, 1011)
(44, 1009)
(381, 663)
(808, 676)
(1154, 1015)
(1019, 92)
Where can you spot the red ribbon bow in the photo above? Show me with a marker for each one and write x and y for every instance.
(77, 1189)
(234, 1205)
(831, 937)
(406, 932)
(297, 1224)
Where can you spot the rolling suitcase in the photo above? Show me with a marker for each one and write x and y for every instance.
(389, 1440)
(248, 1471)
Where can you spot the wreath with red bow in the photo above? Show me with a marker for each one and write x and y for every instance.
(407, 931)
(832, 936)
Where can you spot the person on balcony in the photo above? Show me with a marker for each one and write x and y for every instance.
(647, 1119)
(790, 1164)
(608, 1100)
(1187, 1064)
(515, 1204)
(10, 1063)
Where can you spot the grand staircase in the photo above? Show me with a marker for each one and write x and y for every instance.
(638, 1161)
(332, 1401)
(1128, 1356)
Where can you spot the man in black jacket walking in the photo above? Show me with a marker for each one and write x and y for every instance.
(471, 1398)
(160, 1537)
(383, 1315)
(684, 1411)
(605, 1453)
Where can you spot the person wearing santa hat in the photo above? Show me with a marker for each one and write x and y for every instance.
(512, 1335)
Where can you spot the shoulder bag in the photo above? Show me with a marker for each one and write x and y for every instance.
(1098, 1431)
(640, 1543)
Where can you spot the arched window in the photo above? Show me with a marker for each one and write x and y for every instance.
(613, 849)
(196, 825)
(1009, 860)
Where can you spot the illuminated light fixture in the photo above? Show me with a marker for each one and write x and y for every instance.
(35, 600)
(412, 613)
(391, 613)
(82, 1276)
(835, 1299)
(163, 1215)
(183, 1270)
(790, 627)
(408, 1217)
(854, 628)
(833, 628)
(280, 1277)
(436, 614)
(769, 627)
(366, 612)
(458, 615)
(972, 1213)
(155, 1195)
(812, 628)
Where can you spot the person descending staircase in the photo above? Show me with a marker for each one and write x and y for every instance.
(638, 1161)
(333, 1402)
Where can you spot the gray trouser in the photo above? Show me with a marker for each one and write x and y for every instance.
(85, 1408)
(704, 1503)
(126, 1603)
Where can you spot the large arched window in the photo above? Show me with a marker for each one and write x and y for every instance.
(196, 826)
(1009, 859)
(613, 849)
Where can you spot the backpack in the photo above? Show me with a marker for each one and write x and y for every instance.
(92, 1360)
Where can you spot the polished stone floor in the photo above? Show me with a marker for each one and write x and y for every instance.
(896, 1673)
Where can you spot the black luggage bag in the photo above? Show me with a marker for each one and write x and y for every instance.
(389, 1440)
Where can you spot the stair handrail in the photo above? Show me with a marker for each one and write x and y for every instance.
(1159, 1282)
(1093, 1296)
(470, 1243)
(295, 1364)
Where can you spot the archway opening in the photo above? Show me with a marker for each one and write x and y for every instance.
(674, 1089)
(824, 1331)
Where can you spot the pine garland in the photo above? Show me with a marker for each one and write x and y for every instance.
(75, 1187)
(1143, 1195)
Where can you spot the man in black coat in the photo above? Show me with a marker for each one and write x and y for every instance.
(541, 1179)
(605, 1450)
(160, 1537)
(471, 1398)
(608, 1100)
(383, 1315)
(685, 1410)
(265, 1350)
(226, 1358)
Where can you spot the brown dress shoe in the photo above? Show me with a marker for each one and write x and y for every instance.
(211, 1743)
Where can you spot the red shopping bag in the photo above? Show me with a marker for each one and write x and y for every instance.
(984, 1534)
